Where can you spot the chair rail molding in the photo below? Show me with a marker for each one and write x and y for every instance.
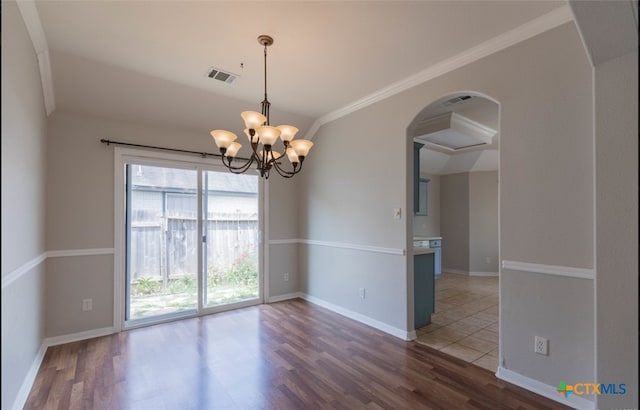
(29, 265)
(341, 245)
(581, 273)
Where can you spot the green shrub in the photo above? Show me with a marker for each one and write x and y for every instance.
(183, 284)
(243, 272)
(146, 285)
(214, 277)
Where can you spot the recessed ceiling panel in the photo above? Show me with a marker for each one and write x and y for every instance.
(451, 139)
(454, 132)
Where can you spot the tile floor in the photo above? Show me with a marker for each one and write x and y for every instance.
(465, 322)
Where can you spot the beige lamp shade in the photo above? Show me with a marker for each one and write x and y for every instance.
(253, 119)
(287, 132)
(301, 147)
(223, 138)
(268, 135)
(232, 150)
(292, 155)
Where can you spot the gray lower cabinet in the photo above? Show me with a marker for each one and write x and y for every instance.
(423, 288)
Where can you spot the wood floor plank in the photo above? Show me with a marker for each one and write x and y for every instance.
(287, 355)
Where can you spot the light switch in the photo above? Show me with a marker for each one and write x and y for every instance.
(397, 213)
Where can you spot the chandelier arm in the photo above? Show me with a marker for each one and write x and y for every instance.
(284, 173)
(238, 170)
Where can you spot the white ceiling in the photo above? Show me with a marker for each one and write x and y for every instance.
(147, 60)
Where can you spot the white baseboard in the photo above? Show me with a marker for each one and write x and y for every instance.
(75, 337)
(286, 296)
(359, 317)
(543, 389)
(29, 379)
(456, 271)
(468, 273)
(489, 274)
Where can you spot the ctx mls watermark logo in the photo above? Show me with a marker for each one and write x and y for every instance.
(583, 389)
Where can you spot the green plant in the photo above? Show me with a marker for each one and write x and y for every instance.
(183, 284)
(146, 285)
(243, 272)
(214, 277)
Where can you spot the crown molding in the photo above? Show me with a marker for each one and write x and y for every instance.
(534, 27)
(32, 21)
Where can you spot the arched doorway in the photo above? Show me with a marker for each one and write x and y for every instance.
(456, 219)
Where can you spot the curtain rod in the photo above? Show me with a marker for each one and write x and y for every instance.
(184, 151)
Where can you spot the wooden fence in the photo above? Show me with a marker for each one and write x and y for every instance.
(166, 248)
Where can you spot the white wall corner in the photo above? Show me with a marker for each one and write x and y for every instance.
(46, 78)
(32, 21)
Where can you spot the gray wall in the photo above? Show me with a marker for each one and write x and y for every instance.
(283, 226)
(483, 222)
(617, 227)
(23, 202)
(429, 225)
(469, 222)
(351, 202)
(544, 88)
(454, 197)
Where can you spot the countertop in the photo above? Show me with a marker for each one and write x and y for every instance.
(426, 238)
(423, 251)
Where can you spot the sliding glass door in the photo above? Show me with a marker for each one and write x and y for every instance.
(192, 241)
(231, 232)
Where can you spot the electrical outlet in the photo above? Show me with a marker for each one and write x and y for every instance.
(397, 213)
(541, 345)
(285, 277)
(362, 293)
(87, 305)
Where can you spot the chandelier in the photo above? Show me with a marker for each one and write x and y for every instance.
(262, 137)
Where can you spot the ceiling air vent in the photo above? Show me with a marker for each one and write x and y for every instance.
(456, 100)
(221, 75)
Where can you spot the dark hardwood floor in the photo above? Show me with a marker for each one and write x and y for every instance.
(287, 355)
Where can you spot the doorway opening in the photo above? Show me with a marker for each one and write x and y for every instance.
(456, 150)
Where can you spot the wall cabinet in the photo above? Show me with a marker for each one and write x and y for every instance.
(416, 176)
(420, 185)
(423, 208)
